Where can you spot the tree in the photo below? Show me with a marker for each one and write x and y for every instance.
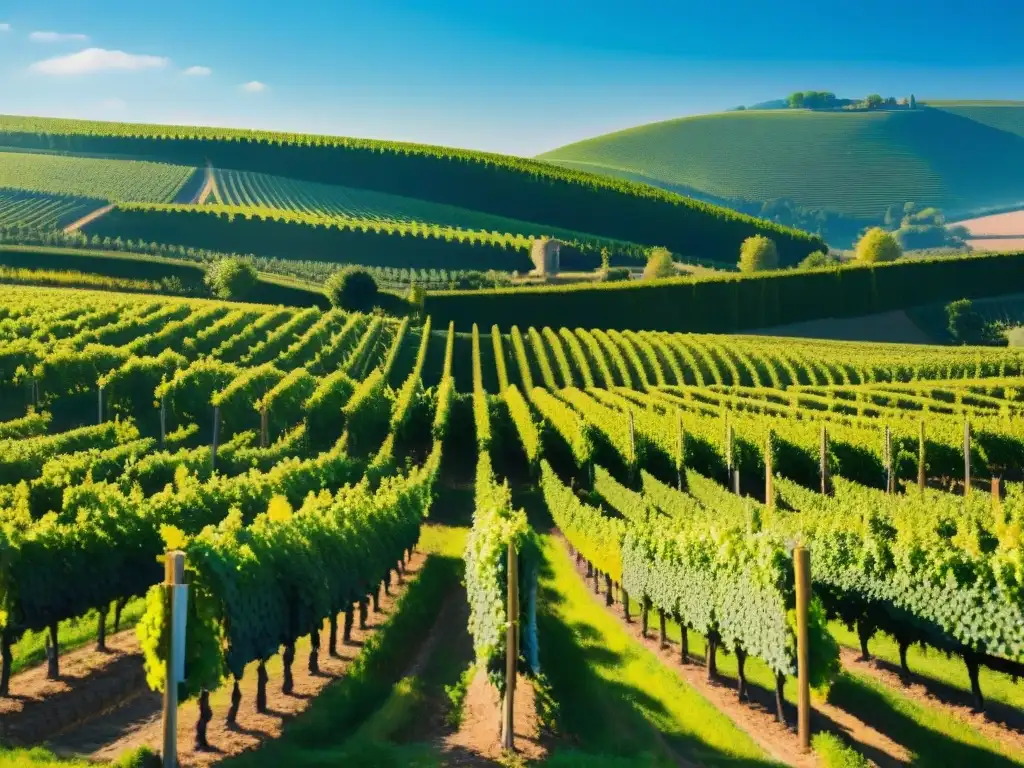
(965, 324)
(913, 102)
(893, 216)
(660, 264)
(231, 279)
(873, 101)
(818, 259)
(606, 260)
(352, 289)
(795, 100)
(758, 253)
(876, 246)
(615, 275)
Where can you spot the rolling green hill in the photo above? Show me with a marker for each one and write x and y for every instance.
(514, 188)
(958, 156)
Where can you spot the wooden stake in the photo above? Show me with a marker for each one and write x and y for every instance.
(921, 465)
(216, 436)
(802, 566)
(163, 421)
(888, 460)
(997, 494)
(511, 652)
(264, 431)
(826, 482)
(174, 575)
(967, 457)
(99, 405)
(681, 459)
(769, 462)
(736, 481)
(728, 446)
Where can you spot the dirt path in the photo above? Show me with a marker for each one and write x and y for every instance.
(91, 684)
(88, 218)
(478, 740)
(138, 722)
(209, 188)
(757, 716)
(999, 722)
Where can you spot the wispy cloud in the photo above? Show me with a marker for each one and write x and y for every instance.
(198, 71)
(5, 27)
(254, 86)
(93, 60)
(57, 37)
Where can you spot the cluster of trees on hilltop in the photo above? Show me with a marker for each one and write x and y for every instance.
(828, 100)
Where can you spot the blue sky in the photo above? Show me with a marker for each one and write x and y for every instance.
(518, 77)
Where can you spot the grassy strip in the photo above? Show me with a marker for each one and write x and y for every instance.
(615, 697)
(318, 735)
(924, 731)
(73, 633)
(933, 665)
(835, 753)
(38, 757)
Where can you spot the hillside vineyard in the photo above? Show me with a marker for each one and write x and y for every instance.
(291, 454)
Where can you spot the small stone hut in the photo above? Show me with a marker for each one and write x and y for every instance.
(544, 254)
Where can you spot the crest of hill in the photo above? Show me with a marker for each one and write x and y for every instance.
(517, 188)
(962, 157)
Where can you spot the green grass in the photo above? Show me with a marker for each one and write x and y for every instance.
(115, 180)
(615, 697)
(36, 210)
(960, 159)
(259, 190)
(933, 665)
(73, 633)
(927, 732)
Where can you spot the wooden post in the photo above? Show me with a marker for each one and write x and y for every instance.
(632, 441)
(921, 466)
(511, 652)
(888, 460)
(826, 482)
(681, 460)
(736, 481)
(997, 494)
(163, 421)
(99, 405)
(216, 435)
(802, 565)
(769, 463)
(264, 436)
(174, 575)
(728, 446)
(967, 457)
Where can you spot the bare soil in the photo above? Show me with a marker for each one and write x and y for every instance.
(91, 684)
(757, 715)
(138, 722)
(478, 740)
(1000, 723)
(88, 218)
(998, 224)
(209, 188)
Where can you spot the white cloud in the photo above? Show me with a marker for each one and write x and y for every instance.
(93, 60)
(198, 71)
(254, 86)
(56, 37)
(5, 27)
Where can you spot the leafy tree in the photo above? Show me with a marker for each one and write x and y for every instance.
(873, 101)
(913, 102)
(352, 289)
(967, 326)
(231, 279)
(758, 253)
(877, 245)
(606, 260)
(796, 100)
(893, 216)
(818, 259)
(660, 264)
